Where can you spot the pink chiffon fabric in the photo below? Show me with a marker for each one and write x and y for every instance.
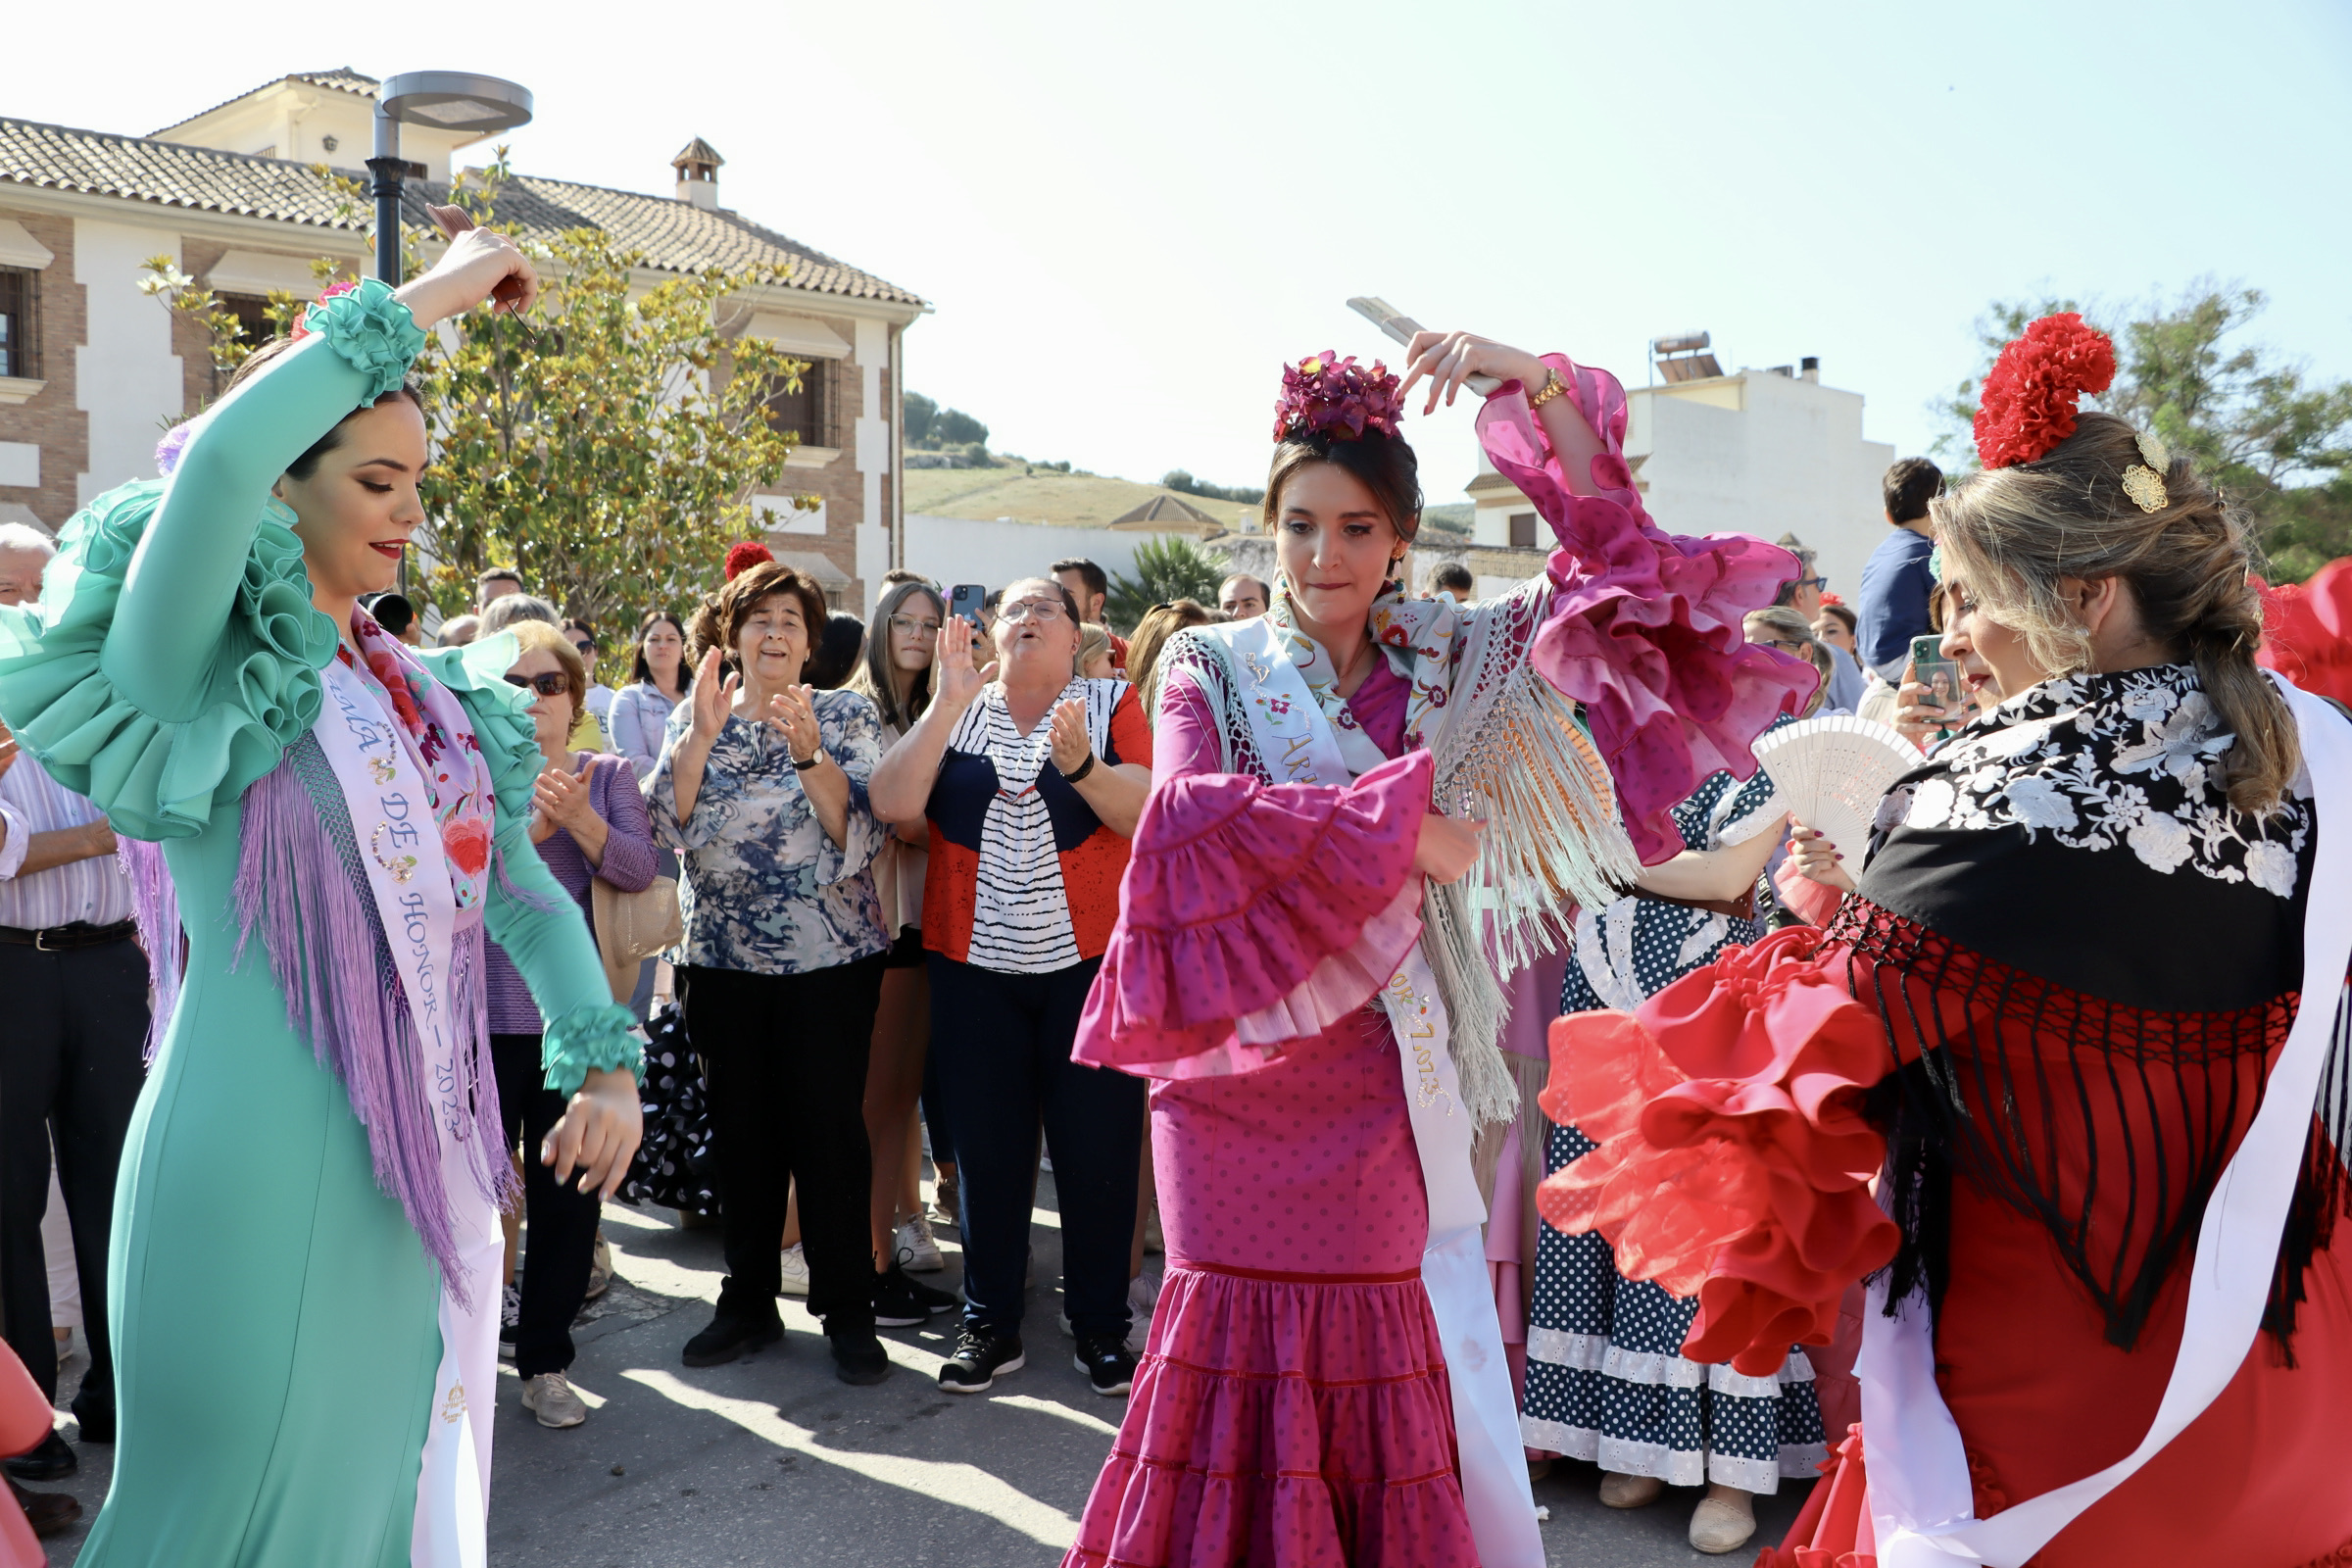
(1646, 630)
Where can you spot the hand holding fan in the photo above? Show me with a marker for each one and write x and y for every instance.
(1833, 770)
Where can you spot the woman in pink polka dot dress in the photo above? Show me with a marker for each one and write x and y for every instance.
(1336, 788)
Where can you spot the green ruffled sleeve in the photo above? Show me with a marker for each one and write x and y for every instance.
(529, 913)
(256, 691)
(175, 654)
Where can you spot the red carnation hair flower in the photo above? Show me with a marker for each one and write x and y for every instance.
(1324, 393)
(2028, 402)
(745, 556)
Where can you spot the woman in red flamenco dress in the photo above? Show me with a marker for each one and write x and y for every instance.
(2081, 1020)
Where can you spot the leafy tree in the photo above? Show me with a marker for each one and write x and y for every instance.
(2275, 442)
(1170, 567)
(608, 447)
(919, 413)
(953, 427)
(1180, 481)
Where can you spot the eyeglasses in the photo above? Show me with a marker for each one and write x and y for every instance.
(908, 626)
(1045, 612)
(1786, 645)
(553, 683)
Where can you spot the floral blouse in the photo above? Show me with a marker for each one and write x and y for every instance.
(764, 888)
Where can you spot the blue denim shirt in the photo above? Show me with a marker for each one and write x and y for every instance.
(764, 888)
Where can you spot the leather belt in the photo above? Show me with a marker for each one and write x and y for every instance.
(66, 938)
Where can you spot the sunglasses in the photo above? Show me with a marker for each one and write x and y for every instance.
(554, 683)
(584, 649)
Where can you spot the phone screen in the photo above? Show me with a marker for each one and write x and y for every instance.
(1940, 676)
(966, 599)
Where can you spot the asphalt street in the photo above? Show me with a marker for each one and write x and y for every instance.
(773, 1461)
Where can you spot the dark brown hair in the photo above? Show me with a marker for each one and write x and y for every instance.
(642, 672)
(270, 353)
(1384, 463)
(719, 622)
(1908, 488)
(2014, 533)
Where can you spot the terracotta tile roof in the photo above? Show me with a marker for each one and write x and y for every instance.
(675, 236)
(342, 80)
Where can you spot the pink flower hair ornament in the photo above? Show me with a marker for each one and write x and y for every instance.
(1326, 395)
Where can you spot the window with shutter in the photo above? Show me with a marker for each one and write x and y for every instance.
(20, 354)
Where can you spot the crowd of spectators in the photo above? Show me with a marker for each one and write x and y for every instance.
(892, 852)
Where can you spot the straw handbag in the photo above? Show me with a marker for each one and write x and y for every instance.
(631, 927)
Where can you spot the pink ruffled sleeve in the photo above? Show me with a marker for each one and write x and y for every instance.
(1734, 1163)
(1644, 629)
(1251, 913)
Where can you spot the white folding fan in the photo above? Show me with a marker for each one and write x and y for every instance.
(1832, 772)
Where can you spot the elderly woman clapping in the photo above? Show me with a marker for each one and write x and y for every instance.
(1032, 781)
(761, 789)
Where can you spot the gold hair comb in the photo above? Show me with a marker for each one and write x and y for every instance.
(2145, 485)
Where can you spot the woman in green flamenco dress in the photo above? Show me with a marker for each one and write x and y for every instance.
(306, 1258)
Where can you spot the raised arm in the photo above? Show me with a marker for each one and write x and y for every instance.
(901, 786)
(184, 575)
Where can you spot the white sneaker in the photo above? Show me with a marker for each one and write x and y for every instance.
(548, 1396)
(918, 1250)
(796, 1272)
(509, 1316)
(1143, 1299)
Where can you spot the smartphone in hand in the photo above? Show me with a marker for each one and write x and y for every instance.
(967, 598)
(1941, 677)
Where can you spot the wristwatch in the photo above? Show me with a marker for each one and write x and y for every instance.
(814, 758)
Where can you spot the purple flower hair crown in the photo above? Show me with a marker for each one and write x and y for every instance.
(1326, 395)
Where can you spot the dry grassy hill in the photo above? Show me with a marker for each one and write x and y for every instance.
(1064, 499)
(1082, 500)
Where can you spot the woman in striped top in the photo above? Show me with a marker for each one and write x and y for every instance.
(1032, 781)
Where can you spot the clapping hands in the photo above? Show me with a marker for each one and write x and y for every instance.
(792, 713)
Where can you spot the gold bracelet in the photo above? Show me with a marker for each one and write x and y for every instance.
(1552, 388)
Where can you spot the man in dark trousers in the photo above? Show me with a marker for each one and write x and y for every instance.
(74, 985)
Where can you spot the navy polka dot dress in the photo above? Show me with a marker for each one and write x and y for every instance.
(1605, 1379)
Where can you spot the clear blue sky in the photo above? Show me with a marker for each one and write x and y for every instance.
(1127, 217)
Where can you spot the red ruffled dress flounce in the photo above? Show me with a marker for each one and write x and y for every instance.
(1734, 1164)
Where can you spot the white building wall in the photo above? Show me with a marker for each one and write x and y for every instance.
(954, 550)
(1782, 456)
(126, 376)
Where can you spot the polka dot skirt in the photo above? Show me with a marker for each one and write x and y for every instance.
(1605, 1382)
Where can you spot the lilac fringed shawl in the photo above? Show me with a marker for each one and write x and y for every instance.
(298, 880)
(155, 908)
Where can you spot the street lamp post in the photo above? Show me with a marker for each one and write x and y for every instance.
(447, 99)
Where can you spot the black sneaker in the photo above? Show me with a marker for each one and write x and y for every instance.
(859, 1357)
(981, 1354)
(1109, 1365)
(728, 1337)
(902, 1302)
